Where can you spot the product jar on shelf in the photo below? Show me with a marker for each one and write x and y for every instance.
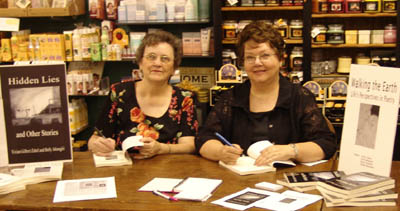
(335, 34)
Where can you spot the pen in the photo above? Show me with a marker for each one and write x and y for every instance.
(99, 132)
(158, 193)
(223, 139)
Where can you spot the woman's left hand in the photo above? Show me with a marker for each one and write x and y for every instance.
(273, 153)
(150, 148)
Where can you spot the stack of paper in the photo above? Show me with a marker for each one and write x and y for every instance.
(305, 181)
(358, 189)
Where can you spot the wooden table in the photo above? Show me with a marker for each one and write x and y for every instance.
(130, 178)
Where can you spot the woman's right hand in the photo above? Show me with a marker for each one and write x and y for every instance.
(101, 146)
(230, 154)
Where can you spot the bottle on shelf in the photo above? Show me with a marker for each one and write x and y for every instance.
(77, 45)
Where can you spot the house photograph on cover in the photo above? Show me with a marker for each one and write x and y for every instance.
(36, 105)
(247, 198)
(368, 117)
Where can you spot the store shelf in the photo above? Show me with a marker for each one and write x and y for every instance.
(287, 41)
(77, 7)
(355, 15)
(353, 45)
(262, 8)
(162, 22)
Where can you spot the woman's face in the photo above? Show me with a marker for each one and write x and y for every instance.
(260, 62)
(158, 62)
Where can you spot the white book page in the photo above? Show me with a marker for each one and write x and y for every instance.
(255, 150)
(161, 184)
(85, 189)
(132, 141)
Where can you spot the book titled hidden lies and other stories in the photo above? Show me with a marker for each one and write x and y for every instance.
(35, 107)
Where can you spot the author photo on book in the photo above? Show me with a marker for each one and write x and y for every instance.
(265, 107)
(164, 115)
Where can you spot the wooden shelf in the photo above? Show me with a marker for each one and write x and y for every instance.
(287, 41)
(162, 22)
(77, 7)
(353, 45)
(355, 15)
(279, 8)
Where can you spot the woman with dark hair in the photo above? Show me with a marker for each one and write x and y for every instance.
(265, 107)
(164, 115)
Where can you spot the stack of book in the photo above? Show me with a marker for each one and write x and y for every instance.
(358, 189)
(305, 181)
(32, 173)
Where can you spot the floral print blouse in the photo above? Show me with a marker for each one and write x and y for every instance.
(122, 116)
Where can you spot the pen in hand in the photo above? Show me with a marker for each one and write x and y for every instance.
(158, 193)
(99, 133)
(223, 139)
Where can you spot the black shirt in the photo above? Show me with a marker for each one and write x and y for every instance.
(295, 118)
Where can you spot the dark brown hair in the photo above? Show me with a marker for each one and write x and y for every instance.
(156, 38)
(261, 32)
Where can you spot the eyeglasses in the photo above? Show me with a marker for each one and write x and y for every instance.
(153, 57)
(252, 59)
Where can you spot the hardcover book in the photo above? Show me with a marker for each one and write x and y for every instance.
(357, 184)
(35, 108)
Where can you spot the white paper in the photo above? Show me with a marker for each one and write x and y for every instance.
(161, 184)
(9, 24)
(314, 163)
(132, 141)
(288, 200)
(255, 150)
(244, 199)
(85, 189)
(197, 189)
(370, 120)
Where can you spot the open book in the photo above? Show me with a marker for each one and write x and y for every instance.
(118, 157)
(245, 164)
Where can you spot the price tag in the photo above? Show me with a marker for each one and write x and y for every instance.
(9, 24)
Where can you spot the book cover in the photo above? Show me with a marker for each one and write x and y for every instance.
(370, 120)
(348, 185)
(36, 113)
(310, 178)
